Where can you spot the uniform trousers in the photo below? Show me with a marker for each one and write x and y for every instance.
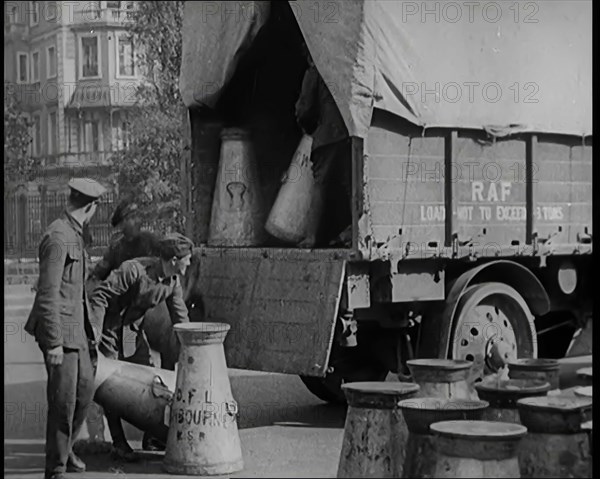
(70, 391)
(332, 169)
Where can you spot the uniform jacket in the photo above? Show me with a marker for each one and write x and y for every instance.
(59, 315)
(132, 289)
(122, 249)
(317, 112)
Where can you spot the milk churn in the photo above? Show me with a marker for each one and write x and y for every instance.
(138, 394)
(203, 434)
(204, 167)
(237, 211)
(477, 448)
(442, 378)
(420, 414)
(375, 433)
(289, 217)
(556, 445)
(504, 394)
(530, 368)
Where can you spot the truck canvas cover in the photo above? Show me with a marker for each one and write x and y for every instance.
(503, 67)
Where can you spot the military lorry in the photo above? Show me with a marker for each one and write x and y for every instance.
(471, 154)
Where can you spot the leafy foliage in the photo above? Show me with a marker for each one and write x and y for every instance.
(149, 167)
(19, 166)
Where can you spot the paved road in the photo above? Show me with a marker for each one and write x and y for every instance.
(284, 430)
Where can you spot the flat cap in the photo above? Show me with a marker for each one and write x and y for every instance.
(87, 187)
(122, 211)
(175, 244)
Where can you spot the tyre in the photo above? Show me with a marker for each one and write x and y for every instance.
(348, 366)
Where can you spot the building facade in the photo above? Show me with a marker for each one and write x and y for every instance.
(72, 66)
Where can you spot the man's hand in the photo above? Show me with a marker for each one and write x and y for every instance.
(55, 356)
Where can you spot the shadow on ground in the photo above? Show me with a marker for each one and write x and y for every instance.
(277, 402)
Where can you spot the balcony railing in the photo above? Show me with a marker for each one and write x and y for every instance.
(92, 14)
(76, 160)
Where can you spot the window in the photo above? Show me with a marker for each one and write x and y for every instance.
(121, 135)
(89, 57)
(52, 134)
(51, 61)
(11, 14)
(91, 136)
(34, 13)
(126, 56)
(35, 67)
(71, 133)
(22, 68)
(37, 135)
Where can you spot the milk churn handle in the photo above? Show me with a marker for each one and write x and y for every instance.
(229, 185)
(160, 392)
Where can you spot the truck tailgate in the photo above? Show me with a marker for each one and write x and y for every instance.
(281, 305)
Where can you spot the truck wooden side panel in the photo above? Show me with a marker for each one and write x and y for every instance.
(454, 192)
(563, 185)
(281, 305)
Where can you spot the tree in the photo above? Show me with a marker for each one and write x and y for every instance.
(149, 166)
(19, 166)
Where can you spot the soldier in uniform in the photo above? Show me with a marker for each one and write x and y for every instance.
(133, 288)
(318, 115)
(63, 328)
(129, 243)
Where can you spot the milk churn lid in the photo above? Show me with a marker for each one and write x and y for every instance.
(435, 404)
(516, 387)
(481, 430)
(440, 364)
(420, 413)
(382, 387)
(539, 364)
(378, 394)
(556, 403)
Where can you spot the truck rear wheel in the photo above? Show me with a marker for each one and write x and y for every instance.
(346, 365)
(492, 326)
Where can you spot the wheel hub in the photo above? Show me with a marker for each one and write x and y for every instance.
(491, 329)
(498, 353)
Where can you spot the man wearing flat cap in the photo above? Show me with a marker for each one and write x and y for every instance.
(61, 323)
(133, 288)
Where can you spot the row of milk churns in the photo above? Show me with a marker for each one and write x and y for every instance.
(238, 209)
